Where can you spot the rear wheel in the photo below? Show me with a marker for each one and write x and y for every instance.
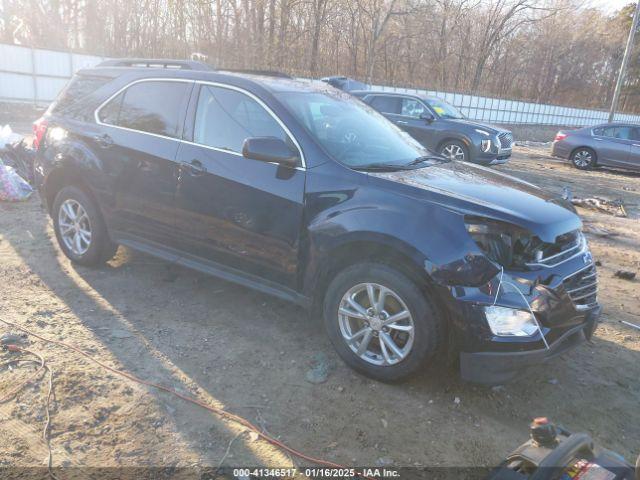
(454, 150)
(380, 322)
(80, 229)
(583, 158)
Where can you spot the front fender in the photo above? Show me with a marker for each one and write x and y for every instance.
(433, 238)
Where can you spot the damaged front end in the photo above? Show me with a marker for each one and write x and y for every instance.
(519, 298)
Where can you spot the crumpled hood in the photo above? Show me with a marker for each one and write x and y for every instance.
(476, 190)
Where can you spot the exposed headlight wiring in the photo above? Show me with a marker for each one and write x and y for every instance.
(501, 282)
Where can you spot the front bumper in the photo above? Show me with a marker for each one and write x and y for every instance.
(493, 368)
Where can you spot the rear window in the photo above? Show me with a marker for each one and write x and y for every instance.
(153, 107)
(73, 100)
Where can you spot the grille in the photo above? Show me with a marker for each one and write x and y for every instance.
(506, 139)
(582, 287)
(564, 248)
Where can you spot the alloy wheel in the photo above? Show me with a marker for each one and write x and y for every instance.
(453, 152)
(583, 158)
(376, 324)
(74, 227)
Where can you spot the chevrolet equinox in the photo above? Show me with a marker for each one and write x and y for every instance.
(301, 191)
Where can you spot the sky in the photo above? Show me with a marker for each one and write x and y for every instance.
(610, 5)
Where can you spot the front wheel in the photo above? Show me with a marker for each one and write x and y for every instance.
(583, 158)
(454, 150)
(380, 322)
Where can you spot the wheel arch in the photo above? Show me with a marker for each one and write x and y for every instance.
(585, 147)
(361, 249)
(457, 138)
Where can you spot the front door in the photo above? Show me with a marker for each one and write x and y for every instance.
(241, 213)
(138, 142)
(412, 119)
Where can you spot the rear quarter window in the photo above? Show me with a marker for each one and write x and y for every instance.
(76, 99)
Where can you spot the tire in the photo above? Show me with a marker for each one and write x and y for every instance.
(374, 362)
(454, 150)
(94, 249)
(583, 158)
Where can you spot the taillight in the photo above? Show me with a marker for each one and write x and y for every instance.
(39, 129)
(560, 136)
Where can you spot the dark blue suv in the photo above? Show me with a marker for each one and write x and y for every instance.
(304, 192)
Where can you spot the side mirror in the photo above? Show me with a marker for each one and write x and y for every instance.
(427, 117)
(270, 149)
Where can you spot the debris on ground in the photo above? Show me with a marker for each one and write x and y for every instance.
(319, 372)
(17, 152)
(600, 232)
(612, 207)
(13, 338)
(13, 188)
(625, 274)
(531, 143)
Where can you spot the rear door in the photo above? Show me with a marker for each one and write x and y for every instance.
(634, 154)
(613, 145)
(139, 136)
(236, 212)
(388, 105)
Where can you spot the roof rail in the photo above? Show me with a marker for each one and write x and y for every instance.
(266, 73)
(156, 63)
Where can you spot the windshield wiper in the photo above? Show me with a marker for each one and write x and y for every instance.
(380, 167)
(427, 158)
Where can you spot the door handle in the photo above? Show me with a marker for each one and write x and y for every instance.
(635, 144)
(402, 122)
(103, 141)
(194, 167)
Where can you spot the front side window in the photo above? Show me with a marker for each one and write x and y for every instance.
(352, 132)
(386, 104)
(152, 107)
(226, 117)
(444, 109)
(412, 108)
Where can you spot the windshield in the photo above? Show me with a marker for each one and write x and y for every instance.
(352, 132)
(443, 109)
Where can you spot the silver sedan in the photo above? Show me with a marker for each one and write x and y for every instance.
(613, 144)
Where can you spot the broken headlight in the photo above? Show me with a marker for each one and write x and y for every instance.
(506, 244)
(510, 322)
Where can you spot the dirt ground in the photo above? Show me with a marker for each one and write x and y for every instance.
(250, 354)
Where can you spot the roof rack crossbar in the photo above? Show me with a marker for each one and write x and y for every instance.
(155, 63)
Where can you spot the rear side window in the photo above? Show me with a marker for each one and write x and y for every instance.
(226, 117)
(73, 97)
(152, 107)
(387, 104)
(624, 133)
